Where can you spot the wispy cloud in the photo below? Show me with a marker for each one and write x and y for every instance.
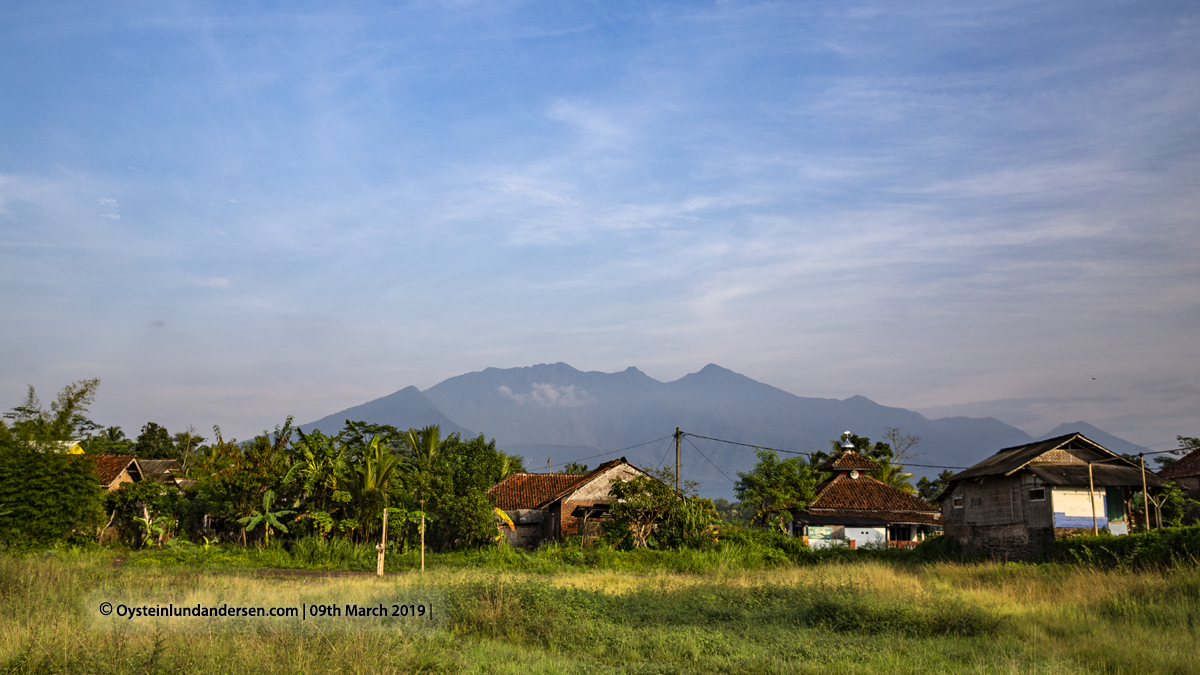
(549, 395)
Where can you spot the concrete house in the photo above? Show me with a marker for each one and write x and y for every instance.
(1019, 499)
(552, 506)
(853, 509)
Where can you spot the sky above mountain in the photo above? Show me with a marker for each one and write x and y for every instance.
(232, 212)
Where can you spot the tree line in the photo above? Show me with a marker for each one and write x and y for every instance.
(280, 484)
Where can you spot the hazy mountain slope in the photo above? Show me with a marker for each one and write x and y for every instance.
(556, 411)
(403, 409)
(1117, 445)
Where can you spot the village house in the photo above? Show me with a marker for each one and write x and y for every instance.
(113, 470)
(1015, 502)
(853, 509)
(1186, 474)
(552, 506)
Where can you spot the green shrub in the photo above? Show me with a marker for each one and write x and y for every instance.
(47, 497)
(1168, 547)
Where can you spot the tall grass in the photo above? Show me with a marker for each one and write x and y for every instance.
(503, 615)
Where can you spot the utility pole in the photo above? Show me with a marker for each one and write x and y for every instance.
(678, 435)
(1145, 495)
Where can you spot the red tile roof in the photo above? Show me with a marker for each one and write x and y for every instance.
(848, 460)
(109, 467)
(528, 490)
(866, 496)
(538, 490)
(901, 517)
(1187, 466)
(587, 478)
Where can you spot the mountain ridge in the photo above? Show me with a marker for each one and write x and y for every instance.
(565, 414)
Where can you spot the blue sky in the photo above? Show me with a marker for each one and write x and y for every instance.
(231, 212)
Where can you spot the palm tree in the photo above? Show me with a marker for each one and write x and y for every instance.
(372, 478)
(424, 444)
(895, 476)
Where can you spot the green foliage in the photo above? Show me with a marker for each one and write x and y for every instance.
(638, 505)
(774, 485)
(930, 490)
(232, 477)
(65, 420)
(268, 517)
(155, 443)
(457, 489)
(510, 464)
(575, 469)
(131, 506)
(47, 497)
(734, 513)
(1168, 547)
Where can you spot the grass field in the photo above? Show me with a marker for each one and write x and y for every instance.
(500, 614)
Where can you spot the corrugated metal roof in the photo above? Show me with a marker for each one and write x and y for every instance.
(1009, 460)
(1103, 475)
(160, 470)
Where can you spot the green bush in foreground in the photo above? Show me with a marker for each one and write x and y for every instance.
(1163, 548)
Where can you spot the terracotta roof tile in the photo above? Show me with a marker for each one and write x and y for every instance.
(108, 467)
(528, 490)
(865, 494)
(1187, 466)
(847, 460)
(905, 517)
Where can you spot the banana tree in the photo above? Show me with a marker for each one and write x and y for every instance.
(267, 517)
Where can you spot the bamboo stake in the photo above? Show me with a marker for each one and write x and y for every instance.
(1092, 499)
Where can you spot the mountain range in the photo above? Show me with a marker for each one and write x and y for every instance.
(554, 414)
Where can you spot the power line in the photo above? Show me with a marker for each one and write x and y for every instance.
(744, 445)
(609, 452)
(710, 461)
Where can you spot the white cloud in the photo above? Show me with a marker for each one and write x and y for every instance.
(550, 395)
(109, 208)
(215, 282)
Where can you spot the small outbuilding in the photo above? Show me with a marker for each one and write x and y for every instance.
(853, 509)
(552, 506)
(1015, 502)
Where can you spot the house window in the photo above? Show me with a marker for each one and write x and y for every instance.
(976, 501)
(1037, 495)
(958, 502)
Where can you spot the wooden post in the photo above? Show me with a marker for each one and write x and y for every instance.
(677, 435)
(382, 544)
(1092, 499)
(1145, 495)
(422, 535)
